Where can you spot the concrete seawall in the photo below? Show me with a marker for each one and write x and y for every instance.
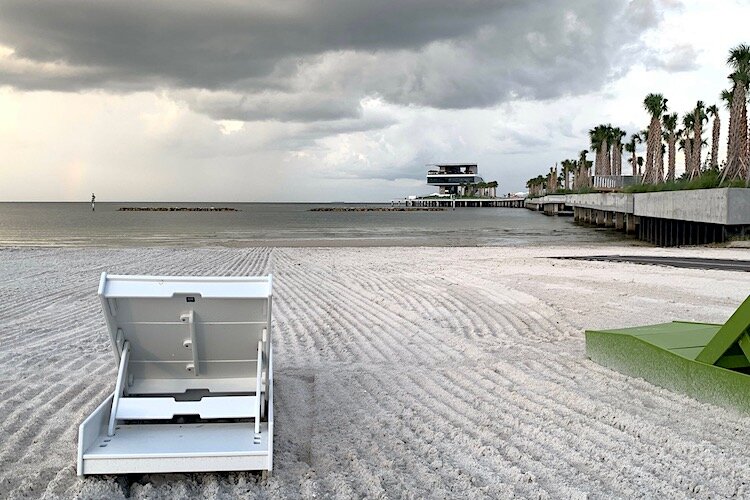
(667, 218)
(729, 207)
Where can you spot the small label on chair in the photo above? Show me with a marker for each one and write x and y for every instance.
(189, 299)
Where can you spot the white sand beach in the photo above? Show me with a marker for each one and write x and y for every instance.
(399, 372)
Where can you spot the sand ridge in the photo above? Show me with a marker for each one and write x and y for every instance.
(400, 372)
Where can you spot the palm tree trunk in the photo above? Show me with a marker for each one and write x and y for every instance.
(715, 142)
(617, 159)
(695, 169)
(659, 162)
(745, 163)
(730, 140)
(672, 160)
(654, 132)
(688, 154)
(737, 149)
(608, 161)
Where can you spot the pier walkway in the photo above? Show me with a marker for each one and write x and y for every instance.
(445, 202)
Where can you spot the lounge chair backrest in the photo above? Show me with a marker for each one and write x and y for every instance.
(736, 331)
(187, 332)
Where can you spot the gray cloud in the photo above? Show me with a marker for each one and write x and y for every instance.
(301, 106)
(305, 136)
(307, 61)
(683, 57)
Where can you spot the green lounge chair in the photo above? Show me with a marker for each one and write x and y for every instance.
(708, 362)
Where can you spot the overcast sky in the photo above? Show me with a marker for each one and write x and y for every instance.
(332, 100)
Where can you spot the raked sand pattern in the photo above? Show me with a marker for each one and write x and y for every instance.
(399, 372)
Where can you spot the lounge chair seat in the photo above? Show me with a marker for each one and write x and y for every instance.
(709, 362)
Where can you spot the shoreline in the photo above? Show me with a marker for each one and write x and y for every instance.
(530, 250)
(337, 242)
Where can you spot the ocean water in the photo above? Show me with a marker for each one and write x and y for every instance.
(284, 224)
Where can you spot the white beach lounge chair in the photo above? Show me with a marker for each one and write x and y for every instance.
(194, 389)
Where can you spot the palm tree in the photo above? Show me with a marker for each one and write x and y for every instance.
(644, 139)
(492, 185)
(699, 116)
(617, 135)
(609, 142)
(583, 178)
(636, 162)
(632, 148)
(598, 136)
(670, 125)
(660, 159)
(688, 144)
(568, 167)
(656, 105)
(726, 97)
(737, 154)
(535, 185)
(556, 178)
(713, 110)
(574, 180)
(552, 180)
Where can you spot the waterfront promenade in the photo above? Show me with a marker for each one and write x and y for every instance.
(664, 218)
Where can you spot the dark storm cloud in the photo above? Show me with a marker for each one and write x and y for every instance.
(316, 60)
(219, 44)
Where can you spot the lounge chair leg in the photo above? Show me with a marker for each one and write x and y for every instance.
(259, 387)
(119, 388)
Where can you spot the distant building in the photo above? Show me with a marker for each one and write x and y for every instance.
(460, 179)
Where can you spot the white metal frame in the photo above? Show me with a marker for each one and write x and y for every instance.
(160, 361)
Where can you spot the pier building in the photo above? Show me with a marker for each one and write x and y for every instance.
(459, 179)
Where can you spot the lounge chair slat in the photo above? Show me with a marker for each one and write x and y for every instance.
(167, 408)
